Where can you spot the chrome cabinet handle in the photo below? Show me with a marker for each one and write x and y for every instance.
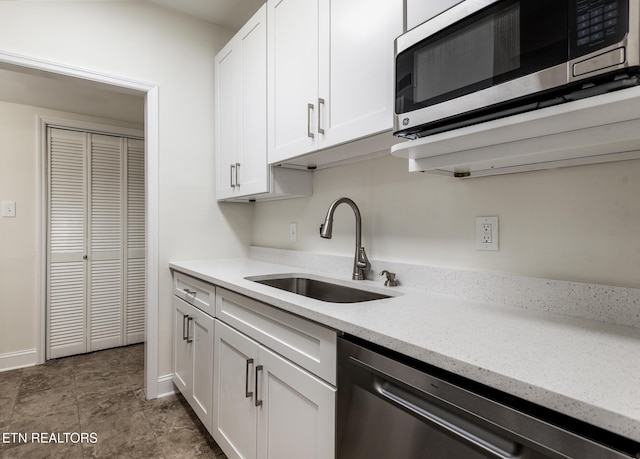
(237, 168)
(309, 110)
(233, 185)
(320, 104)
(258, 369)
(247, 393)
(189, 339)
(189, 292)
(185, 319)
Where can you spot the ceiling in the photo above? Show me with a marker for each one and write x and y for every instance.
(55, 92)
(231, 14)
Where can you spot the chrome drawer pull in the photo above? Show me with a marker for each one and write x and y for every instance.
(189, 339)
(184, 319)
(309, 110)
(320, 104)
(189, 292)
(258, 369)
(247, 393)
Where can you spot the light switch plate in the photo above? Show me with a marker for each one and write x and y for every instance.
(8, 208)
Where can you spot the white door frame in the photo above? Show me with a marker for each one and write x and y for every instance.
(151, 130)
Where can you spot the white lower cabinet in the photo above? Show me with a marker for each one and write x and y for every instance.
(235, 420)
(193, 358)
(297, 415)
(267, 407)
(260, 379)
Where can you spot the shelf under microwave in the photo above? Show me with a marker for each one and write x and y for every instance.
(597, 129)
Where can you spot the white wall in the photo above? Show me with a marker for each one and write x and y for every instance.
(137, 41)
(579, 223)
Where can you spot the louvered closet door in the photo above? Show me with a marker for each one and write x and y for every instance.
(96, 273)
(135, 274)
(67, 245)
(105, 243)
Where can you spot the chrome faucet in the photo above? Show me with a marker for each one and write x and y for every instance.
(361, 262)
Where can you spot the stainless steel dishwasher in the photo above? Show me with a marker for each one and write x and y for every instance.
(391, 407)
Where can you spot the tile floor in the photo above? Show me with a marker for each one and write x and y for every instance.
(102, 394)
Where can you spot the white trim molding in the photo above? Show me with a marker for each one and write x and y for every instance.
(19, 359)
(166, 386)
(32, 65)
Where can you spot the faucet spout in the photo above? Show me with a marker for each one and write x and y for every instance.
(361, 262)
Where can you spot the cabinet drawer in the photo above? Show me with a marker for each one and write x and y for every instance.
(310, 345)
(195, 292)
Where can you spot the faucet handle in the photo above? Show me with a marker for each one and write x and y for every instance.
(363, 262)
(391, 278)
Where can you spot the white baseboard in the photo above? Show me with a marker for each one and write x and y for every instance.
(20, 359)
(165, 386)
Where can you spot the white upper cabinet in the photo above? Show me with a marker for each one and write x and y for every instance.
(241, 112)
(419, 11)
(292, 39)
(243, 173)
(356, 65)
(330, 72)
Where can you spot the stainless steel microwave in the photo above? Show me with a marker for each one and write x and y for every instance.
(485, 59)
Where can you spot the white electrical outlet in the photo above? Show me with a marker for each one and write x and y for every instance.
(487, 233)
(8, 208)
(293, 232)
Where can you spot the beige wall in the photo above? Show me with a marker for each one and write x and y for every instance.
(20, 236)
(579, 223)
(138, 41)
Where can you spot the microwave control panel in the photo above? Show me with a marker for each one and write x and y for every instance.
(598, 23)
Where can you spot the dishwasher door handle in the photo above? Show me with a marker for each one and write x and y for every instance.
(391, 389)
(401, 397)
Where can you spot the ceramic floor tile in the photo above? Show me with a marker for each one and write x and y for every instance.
(44, 402)
(123, 450)
(190, 443)
(168, 414)
(100, 393)
(43, 451)
(6, 410)
(114, 381)
(120, 407)
(64, 419)
(117, 435)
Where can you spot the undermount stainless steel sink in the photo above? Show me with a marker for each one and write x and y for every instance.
(320, 290)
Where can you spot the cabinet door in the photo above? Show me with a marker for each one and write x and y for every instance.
(234, 421)
(227, 122)
(357, 67)
(252, 156)
(200, 336)
(297, 417)
(181, 349)
(292, 50)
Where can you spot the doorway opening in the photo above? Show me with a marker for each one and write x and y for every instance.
(117, 85)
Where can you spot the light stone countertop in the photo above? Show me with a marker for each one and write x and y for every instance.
(586, 369)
